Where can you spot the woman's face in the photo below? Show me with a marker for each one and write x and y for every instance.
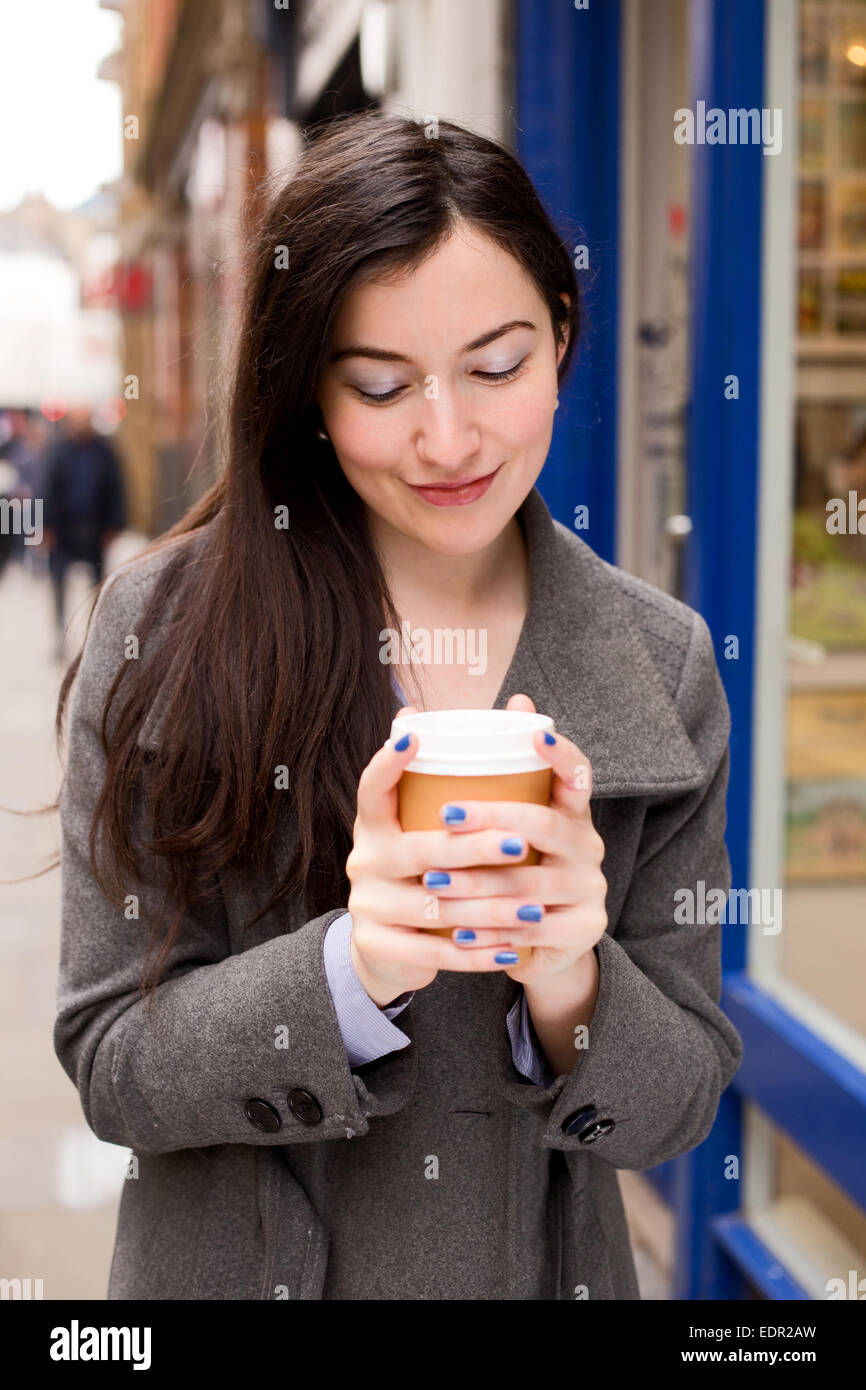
(462, 353)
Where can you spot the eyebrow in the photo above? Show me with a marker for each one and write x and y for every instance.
(381, 355)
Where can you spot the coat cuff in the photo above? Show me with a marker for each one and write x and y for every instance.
(647, 1086)
(174, 1083)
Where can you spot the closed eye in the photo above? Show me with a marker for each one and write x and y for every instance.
(508, 375)
(378, 400)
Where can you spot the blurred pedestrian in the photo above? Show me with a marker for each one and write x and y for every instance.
(84, 505)
(26, 452)
(8, 492)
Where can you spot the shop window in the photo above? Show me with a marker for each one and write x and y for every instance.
(822, 949)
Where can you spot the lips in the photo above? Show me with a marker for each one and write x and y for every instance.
(455, 494)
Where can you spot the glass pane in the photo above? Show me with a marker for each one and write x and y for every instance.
(822, 947)
(807, 1220)
(797, 1176)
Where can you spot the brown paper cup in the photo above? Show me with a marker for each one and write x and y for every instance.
(498, 740)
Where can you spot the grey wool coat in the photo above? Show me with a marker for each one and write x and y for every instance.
(282, 1172)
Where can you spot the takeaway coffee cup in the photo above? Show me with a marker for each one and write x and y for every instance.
(471, 754)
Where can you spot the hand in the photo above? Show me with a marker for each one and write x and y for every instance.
(390, 908)
(567, 884)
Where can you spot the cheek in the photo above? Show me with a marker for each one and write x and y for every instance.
(366, 438)
(528, 418)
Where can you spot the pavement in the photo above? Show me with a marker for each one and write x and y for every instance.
(59, 1184)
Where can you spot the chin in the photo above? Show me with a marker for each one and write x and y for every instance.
(455, 546)
(455, 535)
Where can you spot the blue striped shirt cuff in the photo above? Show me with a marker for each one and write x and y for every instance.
(528, 1055)
(367, 1030)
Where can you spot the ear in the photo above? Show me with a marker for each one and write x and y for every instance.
(563, 346)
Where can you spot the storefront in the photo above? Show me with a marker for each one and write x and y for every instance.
(717, 426)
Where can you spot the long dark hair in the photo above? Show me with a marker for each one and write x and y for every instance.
(269, 653)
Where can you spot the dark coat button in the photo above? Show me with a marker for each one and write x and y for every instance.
(596, 1131)
(304, 1106)
(586, 1125)
(262, 1115)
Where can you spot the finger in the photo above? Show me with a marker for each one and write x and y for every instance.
(532, 883)
(572, 780)
(377, 785)
(418, 850)
(461, 960)
(483, 938)
(490, 914)
(545, 827)
(465, 938)
(521, 702)
(561, 930)
(409, 948)
(412, 904)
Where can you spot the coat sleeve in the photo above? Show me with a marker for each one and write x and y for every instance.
(660, 1050)
(225, 1029)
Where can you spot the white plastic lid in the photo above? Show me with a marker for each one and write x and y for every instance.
(473, 742)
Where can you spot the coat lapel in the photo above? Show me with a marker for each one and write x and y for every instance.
(582, 660)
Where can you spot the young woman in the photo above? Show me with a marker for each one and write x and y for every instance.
(323, 1099)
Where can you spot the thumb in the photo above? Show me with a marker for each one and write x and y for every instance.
(521, 702)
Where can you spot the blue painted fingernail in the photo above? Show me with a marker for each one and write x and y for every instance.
(548, 738)
(512, 846)
(402, 744)
(453, 815)
(465, 935)
(505, 957)
(530, 913)
(436, 878)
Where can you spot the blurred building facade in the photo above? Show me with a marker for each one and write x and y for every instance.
(215, 93)
(191, 77)
(60, 344)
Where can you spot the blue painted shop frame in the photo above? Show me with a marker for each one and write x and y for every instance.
(568, 137)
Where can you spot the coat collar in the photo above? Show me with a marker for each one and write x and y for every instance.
(581, 659)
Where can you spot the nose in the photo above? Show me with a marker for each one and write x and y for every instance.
(449, 435)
